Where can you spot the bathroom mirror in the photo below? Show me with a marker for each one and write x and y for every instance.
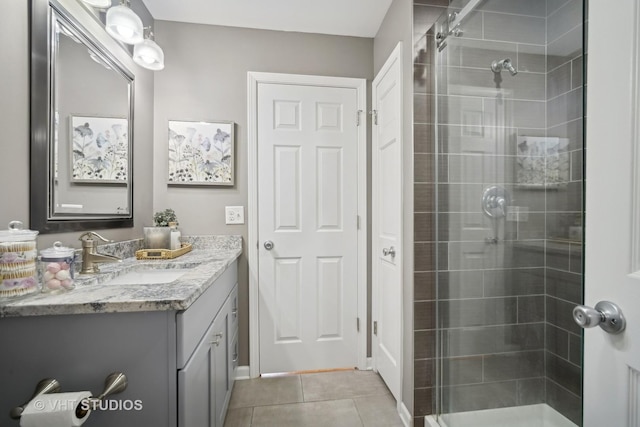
(81, 126)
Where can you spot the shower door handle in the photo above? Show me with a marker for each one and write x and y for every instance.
(605, 314)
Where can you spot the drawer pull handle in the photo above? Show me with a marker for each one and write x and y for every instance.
(218, 337)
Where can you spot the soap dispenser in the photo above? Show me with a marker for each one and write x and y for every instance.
(175, 236)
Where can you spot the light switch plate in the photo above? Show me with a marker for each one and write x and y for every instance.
(234, 214)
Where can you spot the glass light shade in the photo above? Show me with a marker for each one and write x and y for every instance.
(99, 4)
(124, 25)
(149, 55)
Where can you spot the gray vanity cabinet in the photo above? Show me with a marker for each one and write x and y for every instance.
(175, 369)
(174, 366)
(206, 379)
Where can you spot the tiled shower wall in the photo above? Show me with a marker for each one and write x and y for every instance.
(508, 338)
(563, 264)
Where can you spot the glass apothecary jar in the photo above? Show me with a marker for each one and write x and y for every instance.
(57, 268)
(18, 255)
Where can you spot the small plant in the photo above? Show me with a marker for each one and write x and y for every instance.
(163, 218)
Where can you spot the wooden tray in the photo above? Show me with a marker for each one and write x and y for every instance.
(163, 253)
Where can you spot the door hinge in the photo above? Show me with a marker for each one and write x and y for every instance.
(358, 324)
(358, 117)
(374, 114)
(375, 327)
(358, 221)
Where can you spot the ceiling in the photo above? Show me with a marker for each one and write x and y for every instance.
(360, 18)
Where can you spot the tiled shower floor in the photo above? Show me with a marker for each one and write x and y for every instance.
(330, 399)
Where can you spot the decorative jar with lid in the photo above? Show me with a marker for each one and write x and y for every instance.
(57, 268)
(18, 261)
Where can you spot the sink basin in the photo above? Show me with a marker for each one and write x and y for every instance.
(148, 277)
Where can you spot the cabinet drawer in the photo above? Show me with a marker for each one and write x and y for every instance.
(192, 323)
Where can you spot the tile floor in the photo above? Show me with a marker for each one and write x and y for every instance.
(328, 399)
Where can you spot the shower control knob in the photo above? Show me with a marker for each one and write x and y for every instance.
(495, 200)
(605, 314)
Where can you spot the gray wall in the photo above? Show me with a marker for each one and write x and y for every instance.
(14, 110)
(206, 79)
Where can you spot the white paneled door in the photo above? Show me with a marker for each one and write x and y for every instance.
(307, 227)
(387, 222)
(612, 220)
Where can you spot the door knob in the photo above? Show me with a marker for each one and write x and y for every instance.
(268, 245)
(389, 251)
(605, 314)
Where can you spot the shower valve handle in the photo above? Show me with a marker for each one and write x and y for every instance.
(605, 314)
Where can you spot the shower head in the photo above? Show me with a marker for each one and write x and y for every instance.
(503, 64)
(509, 66)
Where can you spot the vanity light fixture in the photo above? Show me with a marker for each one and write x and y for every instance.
(123, 24)
(148, 54)
(98, 4)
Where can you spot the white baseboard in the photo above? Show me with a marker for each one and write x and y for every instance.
(405, 415)
(242, 373)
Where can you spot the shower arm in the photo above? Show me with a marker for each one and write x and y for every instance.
(503, 64)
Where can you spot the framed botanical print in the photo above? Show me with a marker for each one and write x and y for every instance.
(99, 151)
(201, 153)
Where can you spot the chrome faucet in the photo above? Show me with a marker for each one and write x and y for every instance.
(90, 256)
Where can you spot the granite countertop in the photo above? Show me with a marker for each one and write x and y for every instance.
(205, 263)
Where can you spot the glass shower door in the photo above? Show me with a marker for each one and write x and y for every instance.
(508, 197)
